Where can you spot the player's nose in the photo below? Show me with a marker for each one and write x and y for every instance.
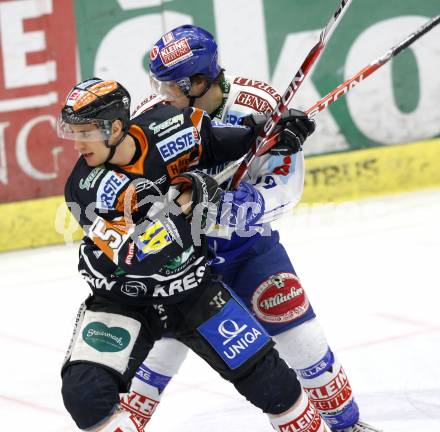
(78, 146)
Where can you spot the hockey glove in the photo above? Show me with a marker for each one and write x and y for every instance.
(242, 207)
(294, 126)
(206, 192)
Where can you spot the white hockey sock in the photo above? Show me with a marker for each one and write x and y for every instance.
(151, 378)
(302, 417)
(120, 422)
(320, 373)
(141, 405)
(330, 392)
(144, 395)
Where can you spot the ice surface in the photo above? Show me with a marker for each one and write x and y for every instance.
(370, 268)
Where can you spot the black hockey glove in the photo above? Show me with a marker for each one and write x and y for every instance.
(205, 191)
(294, 126)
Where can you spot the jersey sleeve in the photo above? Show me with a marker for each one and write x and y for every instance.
(280, 179)
(138, 239)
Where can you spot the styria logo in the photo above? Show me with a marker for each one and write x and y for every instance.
(230, 329)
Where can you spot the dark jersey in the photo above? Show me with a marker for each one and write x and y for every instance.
(134, 249)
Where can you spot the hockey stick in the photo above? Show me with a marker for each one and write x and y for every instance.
(323, 103)
(336, 93)
(293, 87)
(347, 85)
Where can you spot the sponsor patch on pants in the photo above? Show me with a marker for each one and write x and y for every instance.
(234, 334)
(280, 299)
(107, 339)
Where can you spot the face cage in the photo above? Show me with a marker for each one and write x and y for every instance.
(79, 130)
(171, 90)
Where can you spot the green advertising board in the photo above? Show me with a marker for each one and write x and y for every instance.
(268, 40)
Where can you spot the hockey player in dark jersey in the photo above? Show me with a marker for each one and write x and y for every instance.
(120, 192)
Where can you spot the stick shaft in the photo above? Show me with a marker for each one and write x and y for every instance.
(311, 58)
(346, 86)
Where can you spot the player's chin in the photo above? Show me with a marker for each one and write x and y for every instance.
(91, 159)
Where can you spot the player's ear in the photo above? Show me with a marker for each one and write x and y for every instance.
(116, 127)
(198, 83)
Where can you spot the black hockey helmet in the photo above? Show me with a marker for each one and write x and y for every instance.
(99, 102)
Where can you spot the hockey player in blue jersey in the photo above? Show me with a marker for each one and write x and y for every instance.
(184, 71)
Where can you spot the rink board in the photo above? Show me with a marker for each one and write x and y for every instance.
(329, 178)
(372, 172)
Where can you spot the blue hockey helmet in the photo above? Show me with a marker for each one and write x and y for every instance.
(178, 55)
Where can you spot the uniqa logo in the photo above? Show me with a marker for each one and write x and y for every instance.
(105, 339)
(229, 329)
(243, 339)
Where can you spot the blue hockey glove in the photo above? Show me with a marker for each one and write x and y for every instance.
(242, 207)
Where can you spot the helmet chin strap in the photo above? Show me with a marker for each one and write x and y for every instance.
(192, 98)
(208, 85)
(112, 147)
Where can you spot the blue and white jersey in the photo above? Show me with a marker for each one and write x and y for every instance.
(280, 179)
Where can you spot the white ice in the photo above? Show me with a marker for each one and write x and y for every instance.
(371, 270)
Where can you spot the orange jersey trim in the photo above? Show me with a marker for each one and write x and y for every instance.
(138, 166)
(196, 119)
